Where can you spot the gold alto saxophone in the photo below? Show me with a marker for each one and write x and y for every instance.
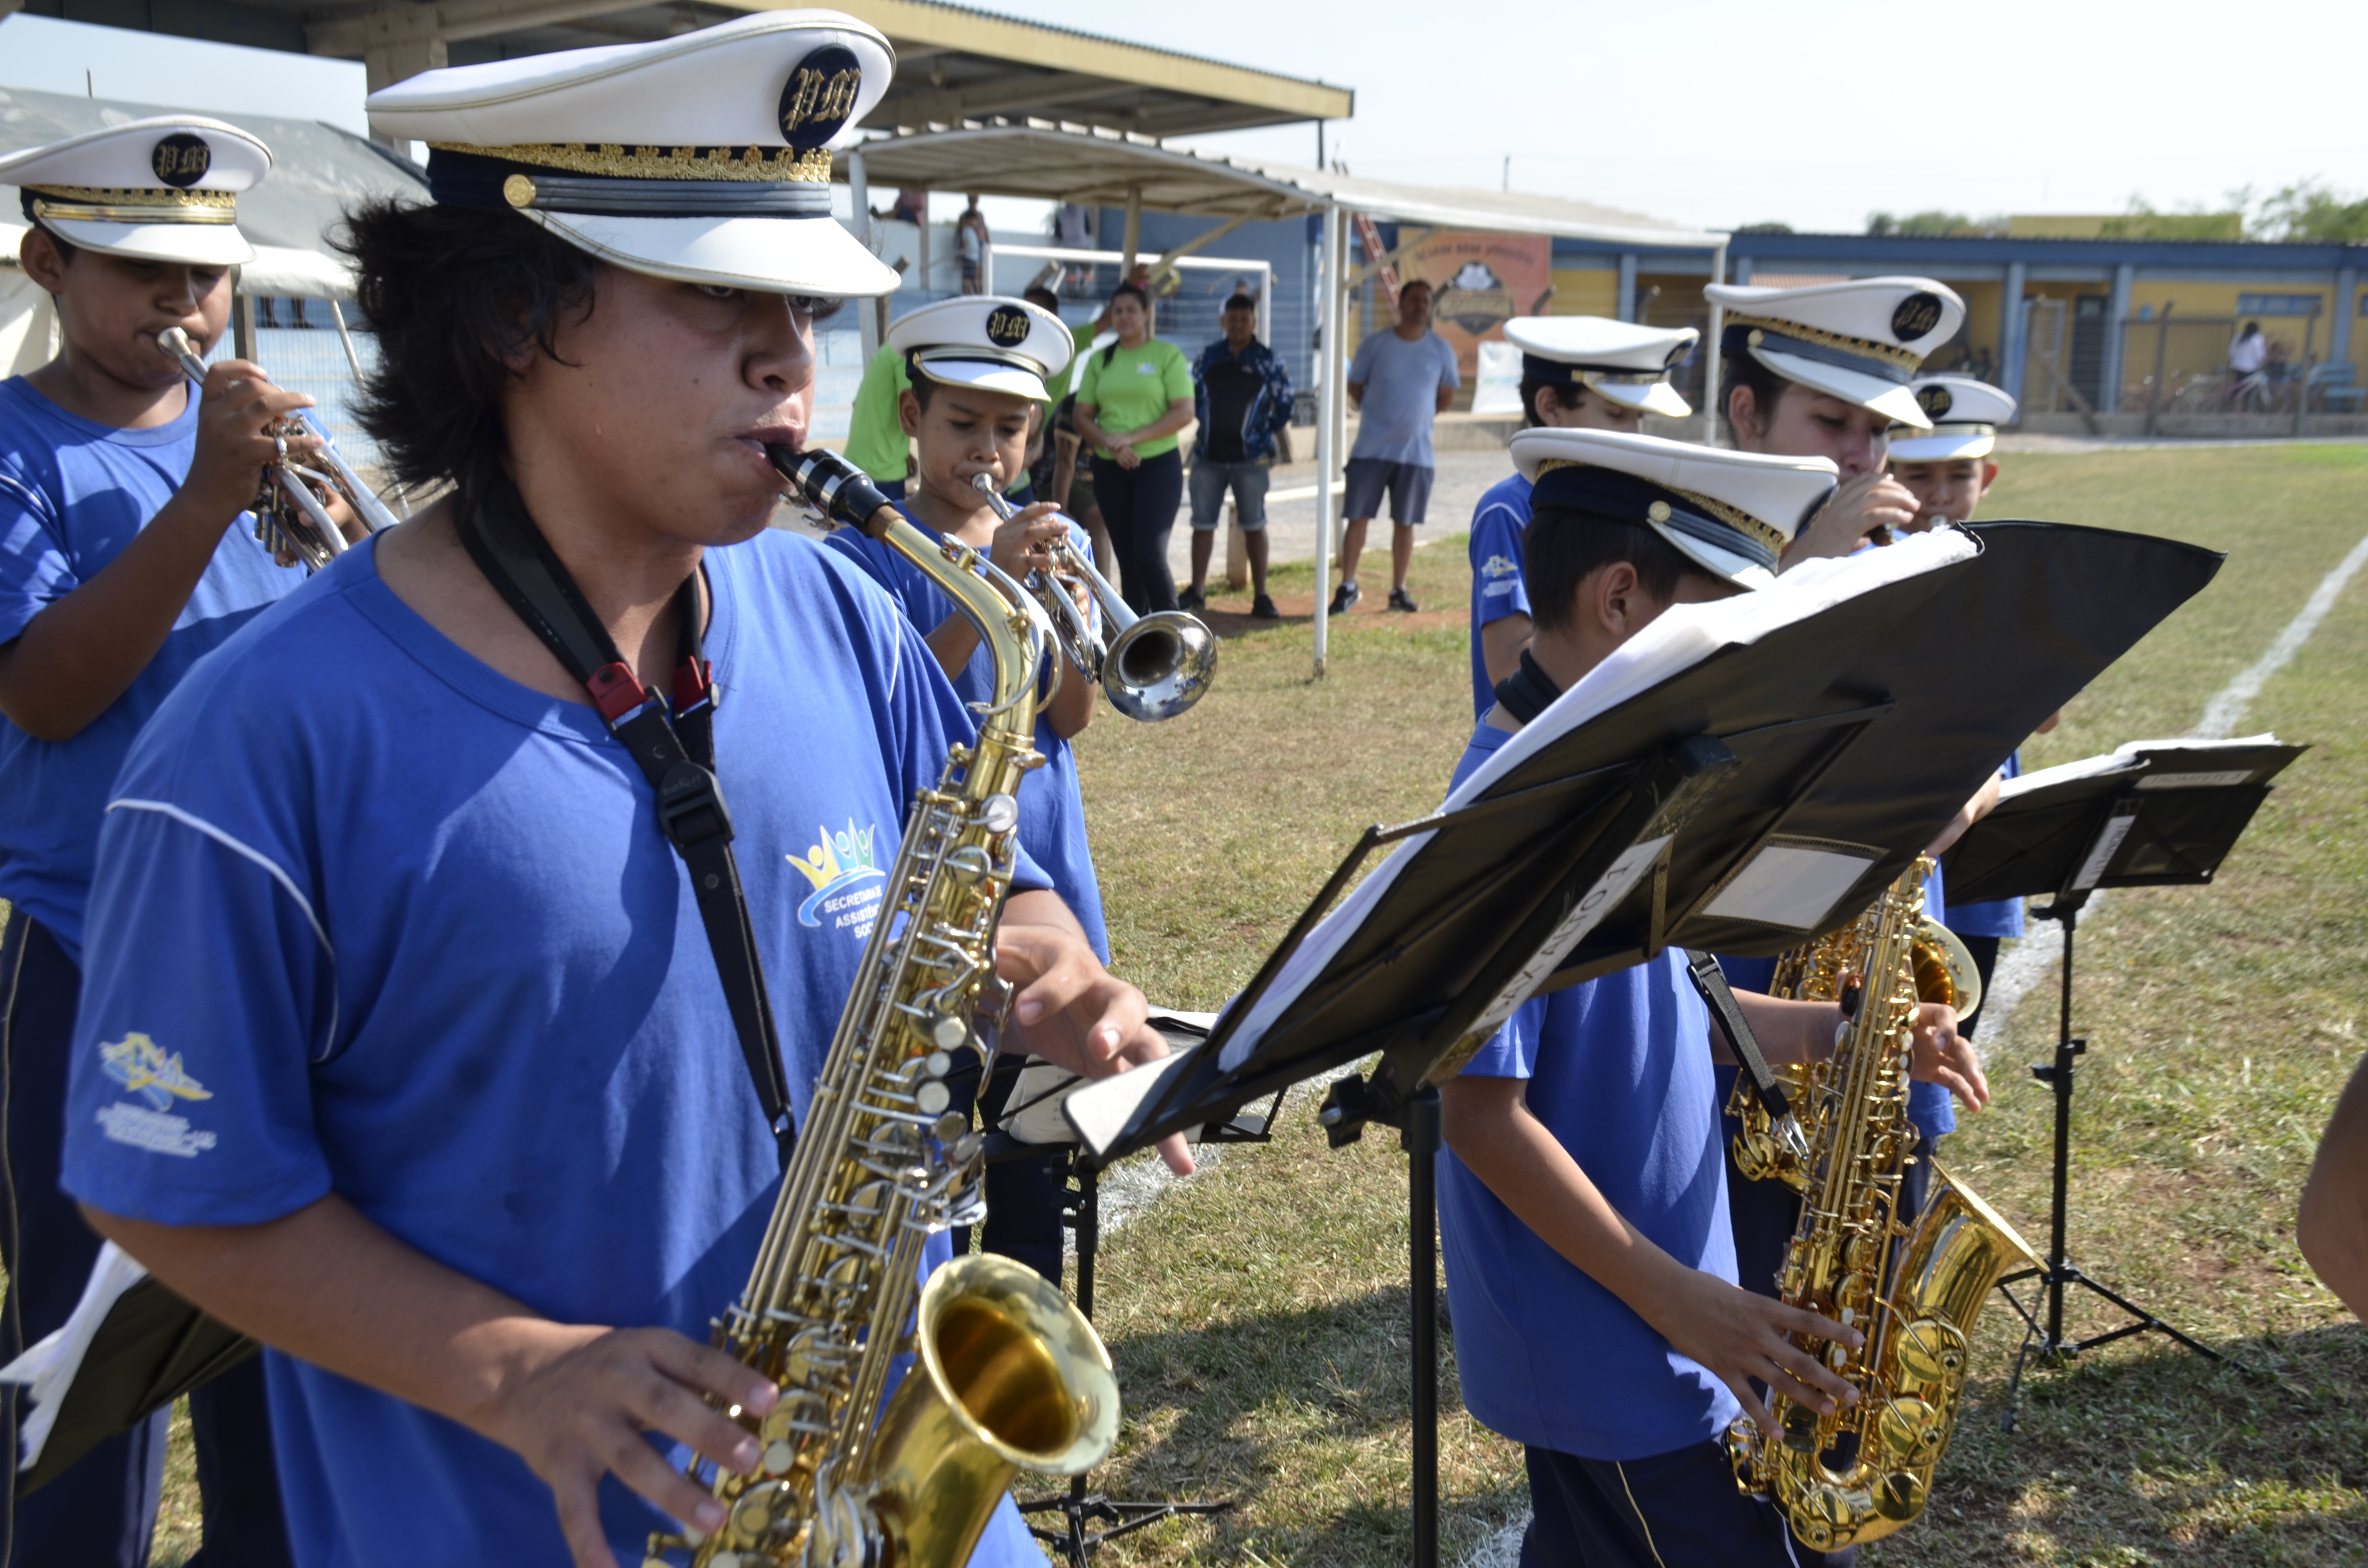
(1007, 1374)
(1913, 1291)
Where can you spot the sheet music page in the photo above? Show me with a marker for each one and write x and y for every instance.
(1681, 638)
(49, 1366)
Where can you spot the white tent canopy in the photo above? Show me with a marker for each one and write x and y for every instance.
(1054, 161)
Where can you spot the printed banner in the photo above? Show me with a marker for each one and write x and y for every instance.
(1479, 283)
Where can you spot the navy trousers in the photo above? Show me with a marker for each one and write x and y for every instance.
(1139, 507)
(1673, 1510)
(102, 1512)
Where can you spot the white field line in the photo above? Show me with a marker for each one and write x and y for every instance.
(2034, 959)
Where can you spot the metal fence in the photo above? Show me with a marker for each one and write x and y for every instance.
(2178, 365)
(296, 343)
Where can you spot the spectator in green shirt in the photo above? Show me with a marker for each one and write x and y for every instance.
(1132, 398)
(875, 431)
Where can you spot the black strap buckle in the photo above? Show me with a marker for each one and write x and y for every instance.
(690, 807)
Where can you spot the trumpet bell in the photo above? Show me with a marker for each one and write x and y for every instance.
(1160, 667)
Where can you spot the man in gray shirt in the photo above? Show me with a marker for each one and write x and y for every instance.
(1400, 381)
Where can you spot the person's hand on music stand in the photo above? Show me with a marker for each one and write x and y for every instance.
(1945, 1057)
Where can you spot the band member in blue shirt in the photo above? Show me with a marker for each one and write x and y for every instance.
(1825, 371)
(1578, 373)
(975, 370)
(1949, 469)
(1582, 1192)
(125, 556)
(403, 1044)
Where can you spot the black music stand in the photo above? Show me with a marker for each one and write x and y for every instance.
(2152, 814)
(1088, 1517)
(1736, 804)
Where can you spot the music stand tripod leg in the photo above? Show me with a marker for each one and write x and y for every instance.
(1420, 1139)
(1080, 1509)
(2045, 1321)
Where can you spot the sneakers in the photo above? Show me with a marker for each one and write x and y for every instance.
(1401, 600)
(1192, 599)
(1345, 597)
(1262, 608)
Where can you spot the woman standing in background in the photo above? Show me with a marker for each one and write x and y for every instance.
(1133, 397)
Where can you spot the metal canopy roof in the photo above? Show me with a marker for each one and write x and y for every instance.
(952, 62)
(1084, 164)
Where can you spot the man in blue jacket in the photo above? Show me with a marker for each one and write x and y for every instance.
(1242, 398)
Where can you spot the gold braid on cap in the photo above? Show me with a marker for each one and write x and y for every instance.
(1889, 353)
(619, 161)
(1735, 518)
(132, 204)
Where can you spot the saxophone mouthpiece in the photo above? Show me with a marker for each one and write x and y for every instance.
(841, 492)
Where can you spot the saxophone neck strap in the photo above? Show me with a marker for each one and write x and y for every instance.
(673, 743)
(1717, 995)
(1528, 691)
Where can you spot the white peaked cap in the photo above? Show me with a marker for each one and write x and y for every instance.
(1624, 362)
(987, 341)
(703, 158)
(164, 188)
(1730, 513)
(1966, 415)
(1860, 341)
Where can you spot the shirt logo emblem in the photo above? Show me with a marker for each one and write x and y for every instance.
(157, 1076)
(1145, 368)
(1498, 566)
(837, 866)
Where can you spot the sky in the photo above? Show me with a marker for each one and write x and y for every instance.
(1714, 113)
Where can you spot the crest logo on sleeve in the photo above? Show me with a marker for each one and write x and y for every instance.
(1916, 315)
(181, 159)
(840, 865)
(819, 97)
(1498, 566)
(1934, 401)
(1007, 326)
(156, 1075)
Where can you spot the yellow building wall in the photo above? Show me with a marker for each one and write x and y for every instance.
(1585, 292)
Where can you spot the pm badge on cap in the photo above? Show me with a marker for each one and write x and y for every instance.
(1730, 513)
(1966, 415)
(704, 158)
(1620, 362)
(1862, 341)
(985, 341)
(159, 189)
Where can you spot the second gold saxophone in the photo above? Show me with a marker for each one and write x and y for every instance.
(1006, 1375)
(1912, 1289)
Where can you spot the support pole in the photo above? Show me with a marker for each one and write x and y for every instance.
(2347, 304)
(2117, 333)
(1625, 305)
(1132, 242)
(2013, 338)
(2161, 352)
(1420, 1141)
(1328, 405)
(2302, 370)
(1710, 351)
(871, 318)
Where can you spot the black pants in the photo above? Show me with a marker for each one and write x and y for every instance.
(1674, 1510)
(102, 1512)
(1024, 1196)
(1139, 507)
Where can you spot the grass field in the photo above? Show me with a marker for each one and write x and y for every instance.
(1258, 1311)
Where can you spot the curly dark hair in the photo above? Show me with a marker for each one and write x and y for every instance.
(454, 294)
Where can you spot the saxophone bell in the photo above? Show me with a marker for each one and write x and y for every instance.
(1152, 667)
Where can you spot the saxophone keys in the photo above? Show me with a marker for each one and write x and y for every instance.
(998, 813)
(778, 1457)
(933, 1097)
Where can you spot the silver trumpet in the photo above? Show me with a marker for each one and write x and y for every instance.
(289, 519)
(1152, 666)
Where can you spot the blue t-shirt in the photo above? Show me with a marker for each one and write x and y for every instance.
(1498, 589)
(73, 494)
(1051, 806)
(1619, 1071)
(1929, 1106)
(2000, 918)
(1401, 396)
(412, 935)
